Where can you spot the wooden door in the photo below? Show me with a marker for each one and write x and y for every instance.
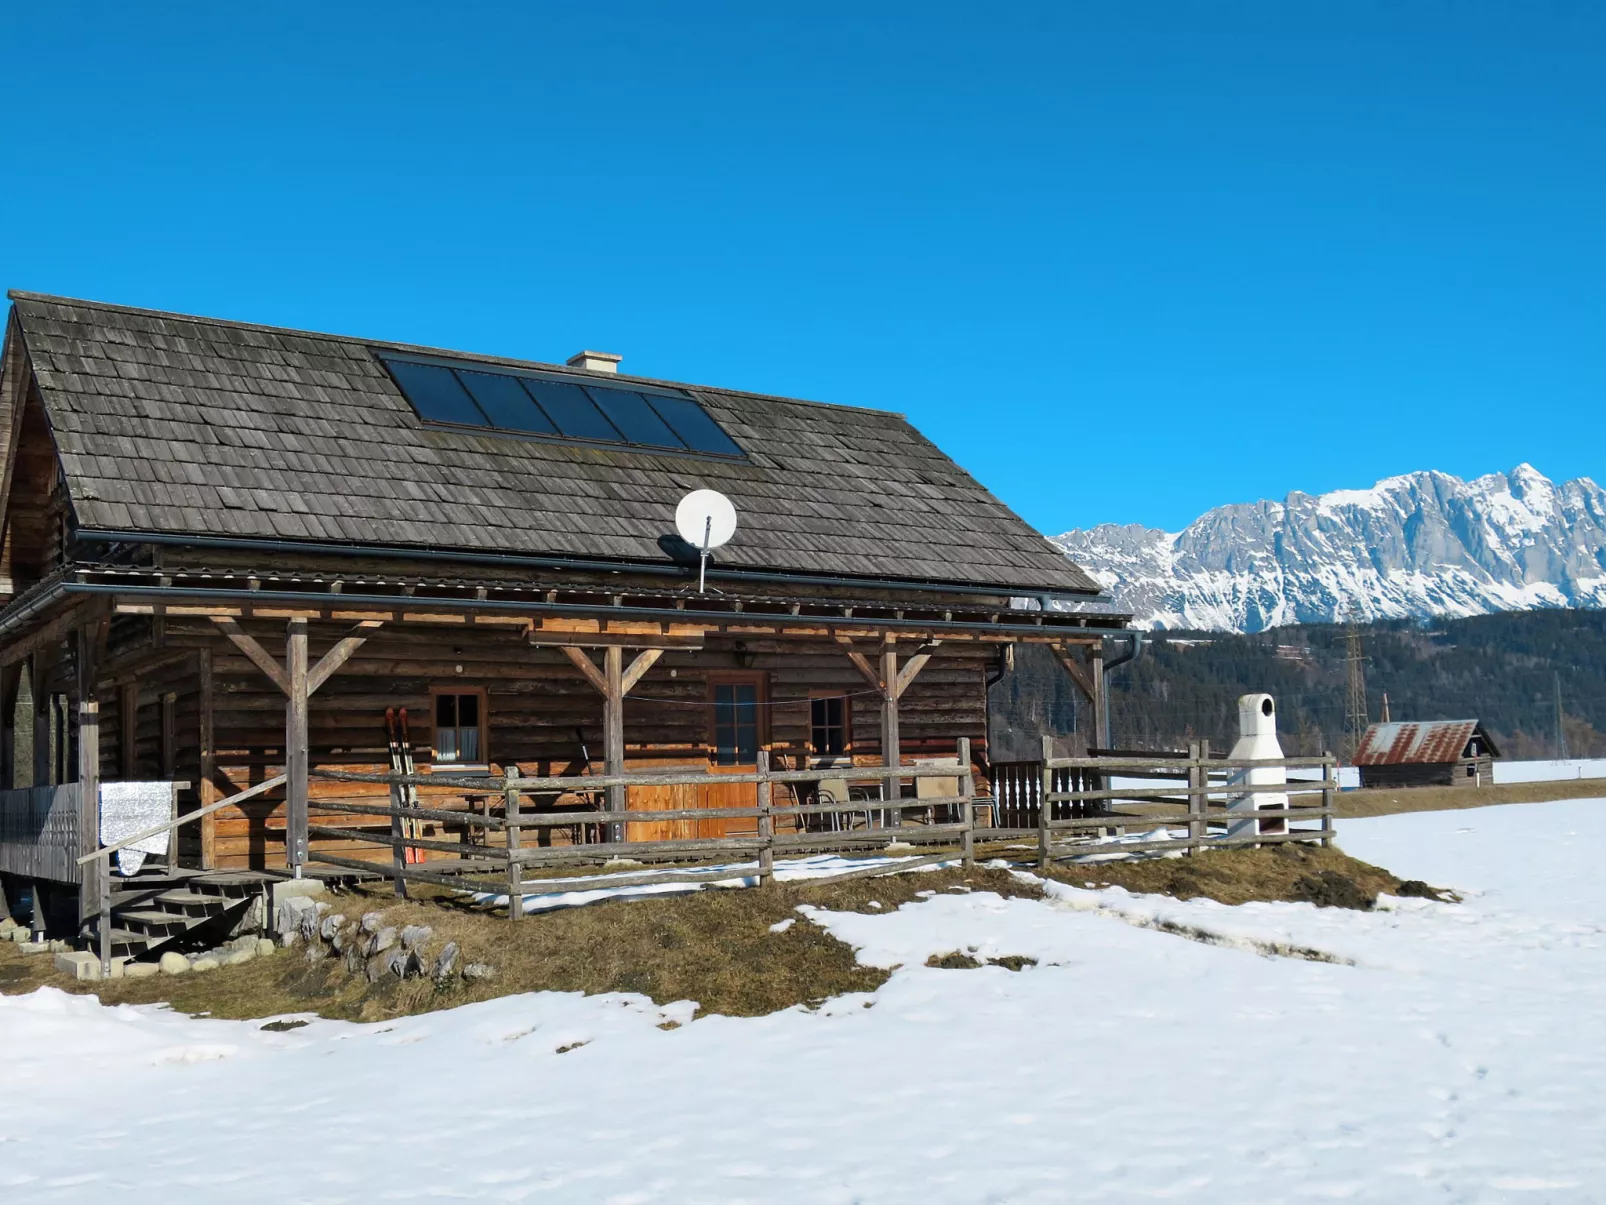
(738, 727)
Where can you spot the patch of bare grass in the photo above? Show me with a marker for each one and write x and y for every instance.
(712, 946)
(1327, 877)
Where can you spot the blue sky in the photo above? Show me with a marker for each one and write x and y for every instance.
(1124, 262)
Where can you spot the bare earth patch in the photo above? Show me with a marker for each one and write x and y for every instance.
(726, 949)
(713, 946)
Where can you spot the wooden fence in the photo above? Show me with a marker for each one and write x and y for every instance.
(494, 857)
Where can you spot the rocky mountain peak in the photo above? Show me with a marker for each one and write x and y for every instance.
(1420, 544)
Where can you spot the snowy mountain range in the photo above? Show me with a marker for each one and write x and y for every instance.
(1417, 545)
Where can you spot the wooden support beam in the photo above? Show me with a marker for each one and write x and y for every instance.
(331, 661)
(39, 684)
(613, 730)
(1101, 698)
(259, 656)
(47, 636)
(127, 730)
(644, 661)
(911, 668)
(862, 664)
(1079, 674)
(586, 666)
(10, 682)
(295, 745)
(891, 750)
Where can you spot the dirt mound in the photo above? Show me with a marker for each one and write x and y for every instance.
(1329, 889)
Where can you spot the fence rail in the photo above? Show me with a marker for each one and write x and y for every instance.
(1071, 811)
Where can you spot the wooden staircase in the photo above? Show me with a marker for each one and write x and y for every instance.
(161, 909)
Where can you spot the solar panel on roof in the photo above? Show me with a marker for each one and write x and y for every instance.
(574, 412)
(527, 403)
(638, 421)
(436, 393)
(691, 422)
(505, 401)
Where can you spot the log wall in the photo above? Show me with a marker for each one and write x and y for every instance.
(540, 712)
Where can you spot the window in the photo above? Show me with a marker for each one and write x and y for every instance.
(460, 727)
(828, 725)
(484, 395)
(736, 708)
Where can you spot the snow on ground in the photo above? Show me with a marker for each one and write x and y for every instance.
(1547, 771)
(1453, 1053)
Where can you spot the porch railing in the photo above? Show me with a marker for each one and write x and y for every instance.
(1208, 808)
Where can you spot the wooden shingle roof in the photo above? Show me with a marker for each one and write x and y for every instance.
(191, 426)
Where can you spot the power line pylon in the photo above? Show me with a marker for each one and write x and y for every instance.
(1356, 719)
(1561, 730)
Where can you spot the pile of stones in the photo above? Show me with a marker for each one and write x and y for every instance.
(370, 947)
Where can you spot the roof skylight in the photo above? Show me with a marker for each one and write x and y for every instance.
(527, 404)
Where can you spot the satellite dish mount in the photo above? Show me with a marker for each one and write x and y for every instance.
(706, 520)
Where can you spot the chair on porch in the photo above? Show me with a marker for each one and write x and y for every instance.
(938, 788)
(837, 791)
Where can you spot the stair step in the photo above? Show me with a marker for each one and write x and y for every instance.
(154, 922)
(191, 903)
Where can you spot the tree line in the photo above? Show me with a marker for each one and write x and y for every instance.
(1502, 669)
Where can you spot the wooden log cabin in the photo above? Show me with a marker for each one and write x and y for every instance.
(1428, 753)
(234, 549)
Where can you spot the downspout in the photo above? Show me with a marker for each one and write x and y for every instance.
(1104, 678)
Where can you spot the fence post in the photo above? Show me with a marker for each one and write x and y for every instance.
(1045, 809)
(1329, 774)
(967, 815)
(766, 820)
(1198, 780)
(398, 850)
(515, 869)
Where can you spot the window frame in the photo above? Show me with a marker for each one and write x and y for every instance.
(483, 762)
(757, 679)
(847, 723)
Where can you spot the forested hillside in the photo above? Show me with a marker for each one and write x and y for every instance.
(1499, 668)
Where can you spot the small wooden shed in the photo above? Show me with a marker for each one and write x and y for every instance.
(1431, 753)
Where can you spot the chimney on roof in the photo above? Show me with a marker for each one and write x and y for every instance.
(595, 361)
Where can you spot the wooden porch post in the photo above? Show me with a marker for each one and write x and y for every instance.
(94, 895)
(1101, 695)
(295, 747)
(128, 731)
(39, 669)
(891, 752)
(613, 682)
(613, 731)
(10, 679)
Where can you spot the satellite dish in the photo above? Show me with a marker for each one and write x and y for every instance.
(705, 519)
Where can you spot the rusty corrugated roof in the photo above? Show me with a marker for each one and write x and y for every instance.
(1431, 742)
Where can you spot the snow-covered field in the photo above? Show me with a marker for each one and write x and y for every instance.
(1454, 1053)
(1549, 771)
